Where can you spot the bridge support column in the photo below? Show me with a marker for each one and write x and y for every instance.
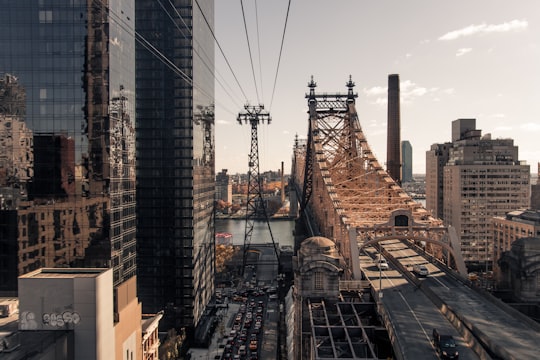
(355, 255)
(455, 243)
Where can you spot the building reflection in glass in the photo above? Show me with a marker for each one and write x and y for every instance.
(67, 157)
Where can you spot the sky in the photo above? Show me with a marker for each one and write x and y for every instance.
(455, 59)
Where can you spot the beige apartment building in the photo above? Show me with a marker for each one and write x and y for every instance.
(507, 229)
(482, 178)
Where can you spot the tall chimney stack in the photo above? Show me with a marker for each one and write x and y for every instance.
(393, 145)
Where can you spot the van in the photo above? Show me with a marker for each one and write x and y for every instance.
(421, 270)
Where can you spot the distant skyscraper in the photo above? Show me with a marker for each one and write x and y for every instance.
(393, 144)
(483, 178)
(223, 186)
(407, 160)
(175, 159)
(436, 159)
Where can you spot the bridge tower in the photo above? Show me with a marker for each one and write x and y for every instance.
(255, 206)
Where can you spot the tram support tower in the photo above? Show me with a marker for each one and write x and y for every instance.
(255, 206)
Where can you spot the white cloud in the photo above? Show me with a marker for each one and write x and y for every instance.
(376, 90)
(463, 51)
(497, 116)
(410, 90)
(381, 101)
(530, 127)
(223, 122)
(503, 128)
(514, 25)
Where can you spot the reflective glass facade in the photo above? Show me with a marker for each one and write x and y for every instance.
(175, 160)
(67, 136)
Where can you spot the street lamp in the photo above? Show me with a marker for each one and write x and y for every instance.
(380, 277)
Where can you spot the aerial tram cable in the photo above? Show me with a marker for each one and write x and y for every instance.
(212, 71)
(249, 49)
(280, 53)
(259, 49)
(220, 49)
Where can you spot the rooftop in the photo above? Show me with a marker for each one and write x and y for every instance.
(65, 273)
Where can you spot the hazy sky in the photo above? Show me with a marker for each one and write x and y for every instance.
(456, 59)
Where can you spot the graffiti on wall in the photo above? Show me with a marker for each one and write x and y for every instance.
(28, 319)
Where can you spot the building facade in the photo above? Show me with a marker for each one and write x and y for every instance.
(436, 159)
(483, 178)
(507, 229)
(80, 300)
(175, 159)
(407, 161)
(223, 186)
(67, 109)
(519, 273)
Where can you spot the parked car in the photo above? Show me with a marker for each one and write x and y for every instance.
(445, 345)
(421, 270)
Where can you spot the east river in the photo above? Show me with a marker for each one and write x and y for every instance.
(282, 231)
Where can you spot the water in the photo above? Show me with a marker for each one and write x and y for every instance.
(282, 231)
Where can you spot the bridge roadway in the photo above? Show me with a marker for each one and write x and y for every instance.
(411, 307)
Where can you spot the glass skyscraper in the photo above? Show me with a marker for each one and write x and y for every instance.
(175, 159)
(67, 137)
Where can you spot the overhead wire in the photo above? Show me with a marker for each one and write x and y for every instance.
(154, 51)
(280, 53)
(212, 71)
(221, 50)
(249, 49)
(259, 49)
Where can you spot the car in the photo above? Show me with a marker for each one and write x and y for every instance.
(445, 345)
(253, 345)
(421, 270)
(382, 264)
(242, 350)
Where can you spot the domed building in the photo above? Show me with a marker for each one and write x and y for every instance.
(318, 269)
(324, 321)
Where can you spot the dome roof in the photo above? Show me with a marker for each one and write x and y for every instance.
(317, 245)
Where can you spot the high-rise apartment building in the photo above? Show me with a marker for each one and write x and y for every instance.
(224, 186)
(483, 178)
(67, 113)
(175, 159)
(507, 229)
(67, 134)
(407, 161)
(436, 159)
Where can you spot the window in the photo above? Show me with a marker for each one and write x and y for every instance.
(318, 281)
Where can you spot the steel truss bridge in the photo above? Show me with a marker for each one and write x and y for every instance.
(345, 195)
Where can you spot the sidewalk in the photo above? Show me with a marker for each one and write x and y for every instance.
(223, 329)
